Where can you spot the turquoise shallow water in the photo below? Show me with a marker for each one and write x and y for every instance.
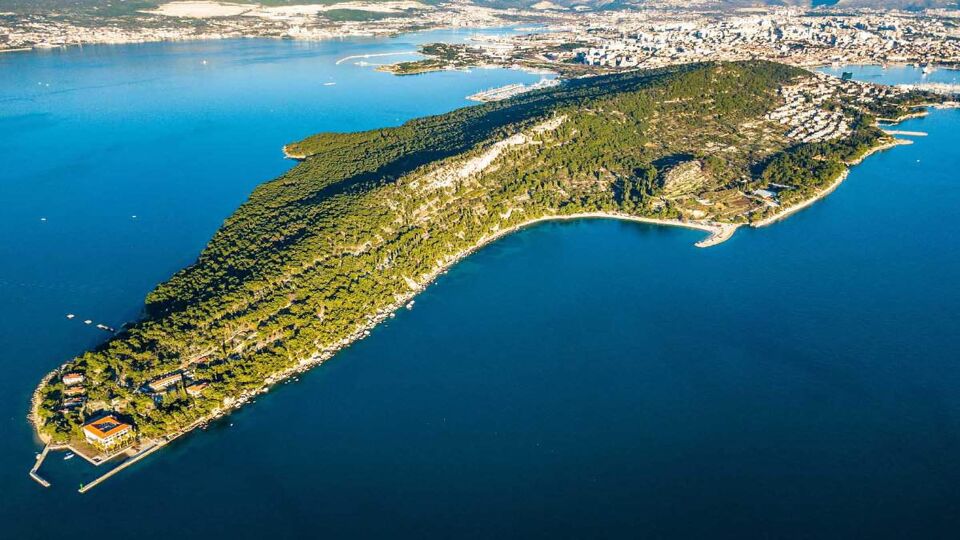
(591, 378)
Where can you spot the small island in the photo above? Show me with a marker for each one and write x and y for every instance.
(317, 257)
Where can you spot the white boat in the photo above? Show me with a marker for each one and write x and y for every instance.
(88, 321)
(70, 315)
(68, 456)
(928, 69)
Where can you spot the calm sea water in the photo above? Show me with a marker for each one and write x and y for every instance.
(577, 379)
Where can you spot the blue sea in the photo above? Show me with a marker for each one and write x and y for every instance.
(581, 379)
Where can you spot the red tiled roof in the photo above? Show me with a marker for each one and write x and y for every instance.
(106, 427)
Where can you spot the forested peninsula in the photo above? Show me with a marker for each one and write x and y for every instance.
(365, 220)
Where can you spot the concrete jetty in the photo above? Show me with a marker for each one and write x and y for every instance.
(140, 455)
(905, 133)
(36, 467)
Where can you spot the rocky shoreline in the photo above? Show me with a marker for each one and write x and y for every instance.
(719, 232)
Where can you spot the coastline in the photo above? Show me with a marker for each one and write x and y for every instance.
(295, 157)
(719, 233)
(789, 211)
(897, 120)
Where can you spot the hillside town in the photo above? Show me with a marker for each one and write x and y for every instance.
(806, 109)
(589, 43)
(789, 35)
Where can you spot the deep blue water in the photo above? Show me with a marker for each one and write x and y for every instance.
(578, 379)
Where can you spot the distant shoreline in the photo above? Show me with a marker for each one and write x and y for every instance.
(218, 37)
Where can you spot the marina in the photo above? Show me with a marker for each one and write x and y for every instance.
(511, 90)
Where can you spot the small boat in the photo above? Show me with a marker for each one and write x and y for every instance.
(928, 69)
(88, 321)
(329, 83)
(70, 315)
(410, 305)
(68, 456)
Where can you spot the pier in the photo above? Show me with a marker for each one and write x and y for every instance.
(151, 447)
(128, 462)
(96, 461)
(36, 467)
(905, 133)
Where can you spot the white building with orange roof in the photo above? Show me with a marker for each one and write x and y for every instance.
(70, 379)
(107, 432)
(166, 381)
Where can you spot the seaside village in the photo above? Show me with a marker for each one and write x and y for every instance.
(106, 433)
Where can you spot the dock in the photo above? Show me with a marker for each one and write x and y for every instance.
(137, 457)
(151, 447)
(36, 467)
(905, 133)
(510, 90)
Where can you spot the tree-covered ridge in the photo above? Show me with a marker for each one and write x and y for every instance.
(369, 217)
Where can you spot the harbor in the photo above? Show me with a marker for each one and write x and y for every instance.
(511, 90)
(128, 456)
